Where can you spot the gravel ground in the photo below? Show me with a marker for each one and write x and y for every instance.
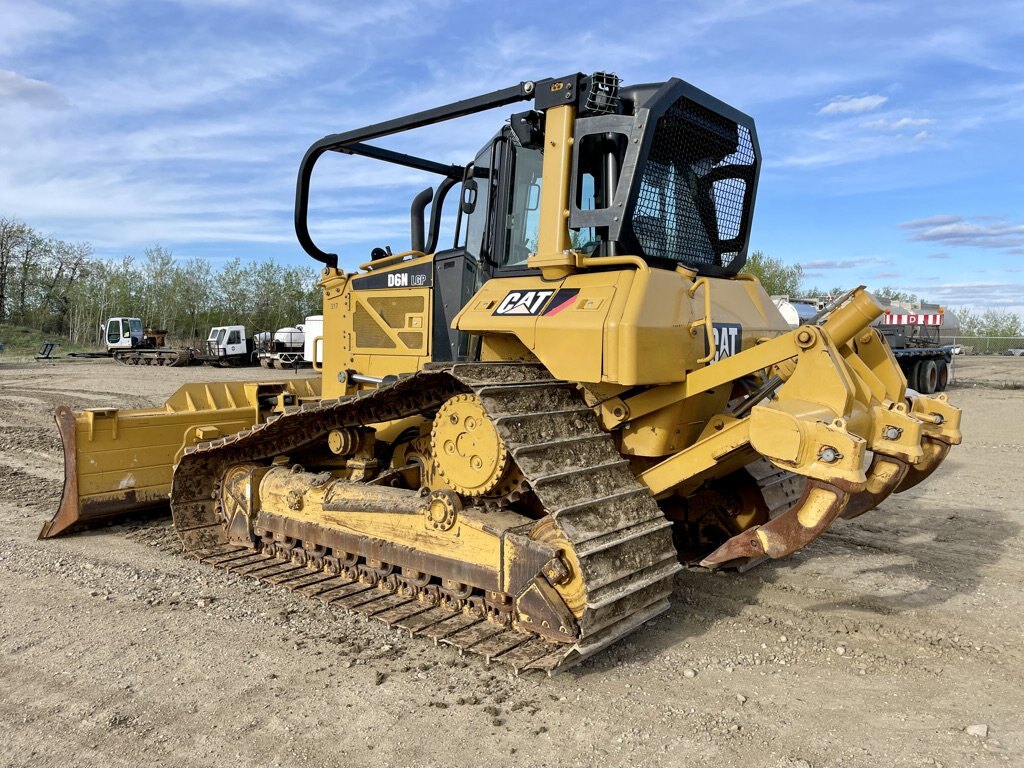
(894, 640)
(997, 371)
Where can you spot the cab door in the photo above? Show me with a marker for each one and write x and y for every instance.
(113, 332)
(118, 333)
(235, 344)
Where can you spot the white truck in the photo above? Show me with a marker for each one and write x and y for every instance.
(228, 345)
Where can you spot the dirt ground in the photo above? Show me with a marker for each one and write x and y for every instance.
(879, 645)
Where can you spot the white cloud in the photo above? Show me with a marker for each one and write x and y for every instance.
(25, 22)
(851, 105)
(819, 264)
(36, 93)
(888, 124)
(983, 295)
(846, 146)
(931, 221)
(983, 232)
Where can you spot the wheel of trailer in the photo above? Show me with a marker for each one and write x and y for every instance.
(914, 379)
(927, 377)
(942, 376)
(264, 362)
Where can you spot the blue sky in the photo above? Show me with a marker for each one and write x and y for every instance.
(892, 132)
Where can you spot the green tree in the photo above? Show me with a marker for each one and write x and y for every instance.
(777, 277)
(13, 235)
(894, 294)
(1000, 322)
(822, 293)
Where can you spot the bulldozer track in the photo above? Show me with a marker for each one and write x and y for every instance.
(616, 532)
(174, 358)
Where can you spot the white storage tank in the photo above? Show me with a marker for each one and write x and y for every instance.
(289, 338)
(314, 327)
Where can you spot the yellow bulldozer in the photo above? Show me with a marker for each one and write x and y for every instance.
(514, 442)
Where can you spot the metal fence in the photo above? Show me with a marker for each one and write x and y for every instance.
(987, 345)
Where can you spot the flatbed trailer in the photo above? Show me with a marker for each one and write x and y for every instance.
(916, 343)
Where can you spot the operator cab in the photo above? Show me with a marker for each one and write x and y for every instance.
(661, 171)
(123, 332)
(688, 203)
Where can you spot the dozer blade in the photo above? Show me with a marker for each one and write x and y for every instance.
(121, 461)
(820, 504)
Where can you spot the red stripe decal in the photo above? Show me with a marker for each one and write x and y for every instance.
(560, 307)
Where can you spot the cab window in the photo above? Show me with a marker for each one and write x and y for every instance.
(235, 337)
(522, 220)
(476, 222)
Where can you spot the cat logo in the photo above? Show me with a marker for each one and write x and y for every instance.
(523, 303)
(728, 339)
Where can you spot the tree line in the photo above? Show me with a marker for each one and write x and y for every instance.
(62, 288)
(782, 279)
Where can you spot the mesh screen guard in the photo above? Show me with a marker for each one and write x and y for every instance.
(688, 166)
(690, 207)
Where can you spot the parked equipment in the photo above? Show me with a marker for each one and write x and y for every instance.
(284, 348)
(130, 343)
(914, 334)
(228, 345)
(313, 347)
(912, 331)
(517, 438)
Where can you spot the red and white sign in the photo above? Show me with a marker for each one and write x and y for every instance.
(935, 319)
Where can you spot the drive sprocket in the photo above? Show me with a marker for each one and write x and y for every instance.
(467, 450)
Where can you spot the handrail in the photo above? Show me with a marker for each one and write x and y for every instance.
(394, 258)
(352, 143)
(612, 261)
(316, 339)
(709, 329)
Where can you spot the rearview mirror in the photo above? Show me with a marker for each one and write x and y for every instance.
(469, 194)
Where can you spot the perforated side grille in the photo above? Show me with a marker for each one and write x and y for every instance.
(369, 335)
(693, 193)
(394, 309)
(412, 339)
